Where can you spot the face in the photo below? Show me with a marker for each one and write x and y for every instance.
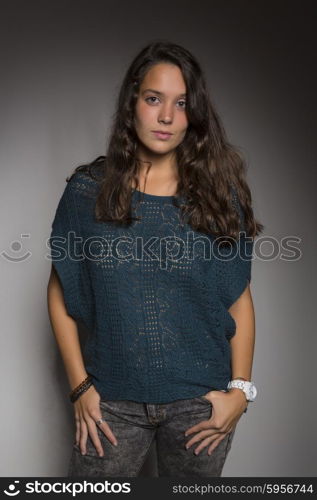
(161, 106)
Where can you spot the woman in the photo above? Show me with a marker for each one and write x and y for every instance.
(160, 278)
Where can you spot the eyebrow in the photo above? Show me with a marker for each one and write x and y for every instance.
(159, 93)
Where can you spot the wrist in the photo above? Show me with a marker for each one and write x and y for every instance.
(81, 388)
(235, 390)
(76, 379)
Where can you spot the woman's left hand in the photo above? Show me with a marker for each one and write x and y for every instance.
(227, 408)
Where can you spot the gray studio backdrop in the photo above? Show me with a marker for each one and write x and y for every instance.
(62, 64)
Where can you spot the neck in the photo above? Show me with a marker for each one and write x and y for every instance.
(162, 177)
(161, 166)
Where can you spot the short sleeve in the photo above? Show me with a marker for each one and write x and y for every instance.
(67, 257)
(234, 263)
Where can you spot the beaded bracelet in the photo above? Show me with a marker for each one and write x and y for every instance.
(82, 387)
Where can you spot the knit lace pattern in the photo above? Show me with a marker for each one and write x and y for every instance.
(153, 296)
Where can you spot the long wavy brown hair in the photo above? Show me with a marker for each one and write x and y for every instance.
(209, 167)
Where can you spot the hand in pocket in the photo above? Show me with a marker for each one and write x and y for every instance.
(227, 409)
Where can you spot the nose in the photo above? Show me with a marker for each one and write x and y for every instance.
(165, 114)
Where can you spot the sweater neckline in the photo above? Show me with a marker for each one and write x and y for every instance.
(152, 197)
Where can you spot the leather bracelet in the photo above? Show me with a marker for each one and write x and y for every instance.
(82, 387)
(78, 392)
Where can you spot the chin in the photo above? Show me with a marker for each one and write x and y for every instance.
(157, 150)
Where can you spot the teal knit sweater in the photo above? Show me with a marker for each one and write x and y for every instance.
(154, 296)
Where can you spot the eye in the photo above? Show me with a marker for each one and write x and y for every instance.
(152, 97)
(184, 103)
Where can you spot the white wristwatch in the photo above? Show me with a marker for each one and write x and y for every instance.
(248, 388)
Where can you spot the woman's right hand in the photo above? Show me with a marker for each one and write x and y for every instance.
(87, 413)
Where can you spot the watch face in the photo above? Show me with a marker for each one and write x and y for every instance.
(253, 391)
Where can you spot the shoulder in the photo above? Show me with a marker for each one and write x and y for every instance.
(80, 191)
(86, 179)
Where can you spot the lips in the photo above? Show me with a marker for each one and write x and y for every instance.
(162, 135)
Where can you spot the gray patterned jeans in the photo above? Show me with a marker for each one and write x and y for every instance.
(136, 425)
